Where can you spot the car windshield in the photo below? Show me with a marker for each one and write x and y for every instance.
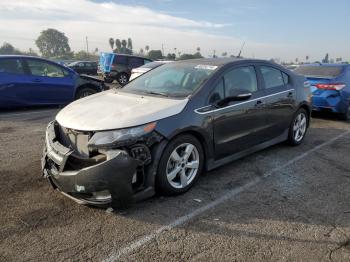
(173, 80)
(319, 71)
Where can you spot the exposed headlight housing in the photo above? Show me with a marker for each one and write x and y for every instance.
(120, 137)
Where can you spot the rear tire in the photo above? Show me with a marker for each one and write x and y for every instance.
(298, 127)
(346, 116)
(84, 92)
(123, 79)
(180, 165)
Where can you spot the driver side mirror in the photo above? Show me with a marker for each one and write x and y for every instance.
(227, 100)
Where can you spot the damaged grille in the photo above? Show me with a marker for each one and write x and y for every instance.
(76, 140)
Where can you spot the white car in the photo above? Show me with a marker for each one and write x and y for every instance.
(136, 72)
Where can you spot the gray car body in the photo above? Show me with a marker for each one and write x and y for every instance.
(226, 133)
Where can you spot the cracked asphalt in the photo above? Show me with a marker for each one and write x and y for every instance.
(301, 212)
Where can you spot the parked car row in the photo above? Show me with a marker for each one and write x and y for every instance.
(28, 81)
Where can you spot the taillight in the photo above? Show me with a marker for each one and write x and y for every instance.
(336, 86)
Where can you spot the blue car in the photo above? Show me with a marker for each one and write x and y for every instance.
(33, 81)
(330, 86)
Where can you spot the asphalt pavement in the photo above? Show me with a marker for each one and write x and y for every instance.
(281, 204)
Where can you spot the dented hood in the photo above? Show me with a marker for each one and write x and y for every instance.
(114, 109)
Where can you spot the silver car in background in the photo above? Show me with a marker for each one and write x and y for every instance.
(136, 72)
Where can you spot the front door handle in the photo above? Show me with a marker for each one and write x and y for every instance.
(259, 103)
(36, 80)
(290, 94)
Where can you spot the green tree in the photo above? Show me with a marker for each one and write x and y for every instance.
(147, 48)
(224, 54)
(7, 49)
(155, 54)
(111, 43)
(129, 46)
(171, 56)
(53, 43)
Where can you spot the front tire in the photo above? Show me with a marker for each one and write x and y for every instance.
(180, 165)
(298, 127)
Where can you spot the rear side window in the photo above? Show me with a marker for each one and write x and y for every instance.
(42, 68)
(238, 80)
(11, 66)
(135, 62)
(272, 77)
(319, 71)
(120, 59)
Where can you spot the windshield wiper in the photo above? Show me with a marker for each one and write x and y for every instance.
(157, 93)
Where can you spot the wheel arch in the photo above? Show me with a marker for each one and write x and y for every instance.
(307, 109)
(86, 85)
(200, 137)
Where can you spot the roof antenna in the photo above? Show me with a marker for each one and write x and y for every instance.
(240, 51)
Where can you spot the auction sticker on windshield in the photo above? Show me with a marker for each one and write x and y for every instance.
(206, 67)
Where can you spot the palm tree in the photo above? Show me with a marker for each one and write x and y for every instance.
(118, 44)
(111, 42)
(130, 43)
(147, 48)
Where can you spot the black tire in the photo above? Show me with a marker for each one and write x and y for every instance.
(84, 92)
(108, 80)
(292, 139)
(345, 116)
(163, 186)
(122, 79)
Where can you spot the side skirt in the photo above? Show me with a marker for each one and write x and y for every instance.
(212, 164)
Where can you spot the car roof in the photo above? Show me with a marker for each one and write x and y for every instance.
(218, 61)
(326, 64)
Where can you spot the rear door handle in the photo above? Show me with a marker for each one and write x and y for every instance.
(36, 80)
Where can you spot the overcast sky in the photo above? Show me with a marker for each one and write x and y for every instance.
(270, 28)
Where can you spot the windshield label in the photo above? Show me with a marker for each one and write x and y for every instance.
(206, 67)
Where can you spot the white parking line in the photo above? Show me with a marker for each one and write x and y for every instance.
(228, 195)
(26, 113)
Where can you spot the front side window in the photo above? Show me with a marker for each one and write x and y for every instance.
(42, 68)
(240, 80)
(11, 66)
(272, 77)
(218, 92)
(174, 80)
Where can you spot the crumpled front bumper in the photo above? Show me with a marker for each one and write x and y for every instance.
(105, 183)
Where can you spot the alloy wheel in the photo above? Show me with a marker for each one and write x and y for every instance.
(123, 79)
(182, 166)
(299, 127)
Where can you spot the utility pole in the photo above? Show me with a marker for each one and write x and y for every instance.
(87, 44)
